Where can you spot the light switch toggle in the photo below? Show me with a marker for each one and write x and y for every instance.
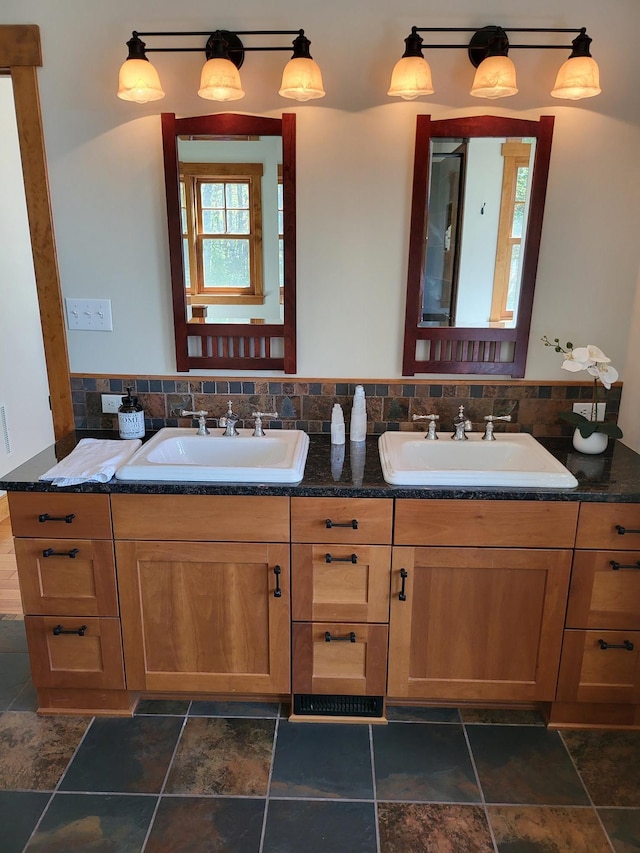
(89, 314)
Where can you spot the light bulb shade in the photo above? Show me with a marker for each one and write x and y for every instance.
(138, 81)
(578, 78)
(220, 81)
(410, 78)
(495, 78)
(302, 80)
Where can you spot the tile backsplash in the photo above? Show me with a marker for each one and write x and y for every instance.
(306, 404)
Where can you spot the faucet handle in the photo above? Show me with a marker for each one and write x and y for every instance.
(201, 415)
(431, 432)
(258, 425)
(425, 417)
(488, 433)
(492, 418)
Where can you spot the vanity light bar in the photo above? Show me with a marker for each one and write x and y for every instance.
(219, 80)
(495, 76)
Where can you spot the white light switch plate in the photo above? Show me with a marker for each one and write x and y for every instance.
(584, 409)
(89, 314)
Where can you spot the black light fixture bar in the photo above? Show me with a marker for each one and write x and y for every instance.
(169, 33)
(576, 30)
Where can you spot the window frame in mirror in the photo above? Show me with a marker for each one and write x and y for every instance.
(232, 345)
(488, 350)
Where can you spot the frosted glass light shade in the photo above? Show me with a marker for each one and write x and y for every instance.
(410, 78)
(220, 81)
(138, 81)
(578, 78)
(495, 78)
(301, 80)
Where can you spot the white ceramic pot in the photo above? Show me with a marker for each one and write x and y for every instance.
(595, 443)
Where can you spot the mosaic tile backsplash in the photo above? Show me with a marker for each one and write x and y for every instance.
(307, 404)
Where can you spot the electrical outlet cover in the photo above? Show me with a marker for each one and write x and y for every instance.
(585, 409)
(111, 402)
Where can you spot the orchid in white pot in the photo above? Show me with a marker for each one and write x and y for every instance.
(596, 363)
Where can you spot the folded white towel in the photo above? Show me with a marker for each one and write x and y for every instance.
(92, 460)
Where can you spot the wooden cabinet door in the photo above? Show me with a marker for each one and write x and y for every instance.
(600, 666)
(605, 590)
(476, 623)
(205, 616)
(73, 577)
(340, 583)
(341, 658)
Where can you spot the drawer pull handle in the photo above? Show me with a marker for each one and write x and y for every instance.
(622, 530)
(349, 638)
(353, 524)
(627, 645)
(330, 559)
(404, 574)
(46, 517)
(49, 552)
(59, 630)
(615, 566)
(277, 593)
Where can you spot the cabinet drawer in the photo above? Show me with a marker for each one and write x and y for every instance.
(598, 526)
(60, 659)
(60, 516)
(605, 590)
(340, 582)
(204, 518)
(343, 658)
(72, 577)
(497, 524)
(589, 673)
(342, 520)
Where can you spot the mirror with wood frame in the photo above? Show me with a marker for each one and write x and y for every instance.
(479, 188)
(231, 205)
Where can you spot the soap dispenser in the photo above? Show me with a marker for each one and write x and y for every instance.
(130, 417)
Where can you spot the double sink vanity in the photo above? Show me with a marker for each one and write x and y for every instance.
(324, 583)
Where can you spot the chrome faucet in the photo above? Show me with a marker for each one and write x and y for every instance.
(230, 421)
(258, 425)
(488, 431)
(431, 432)
(461, 426)
(202, 420)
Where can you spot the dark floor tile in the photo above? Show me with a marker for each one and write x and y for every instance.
(544, 829)
(19, 813)
(26, 700)
(166, 707)
(524, 764)
(12, 636)
(218, 756)
(35, 751)
(330, 760)
(409, 714)
(623, 828)
(124, 755)
(608, 763)
(235, 709)
(214, 825)
(422, 763)
(319, 827)
(108, 823)
(501, 717)
(433, 828)
(14, 674)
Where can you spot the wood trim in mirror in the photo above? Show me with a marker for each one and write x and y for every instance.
(228, 345)
(493, 351)
(20, 53)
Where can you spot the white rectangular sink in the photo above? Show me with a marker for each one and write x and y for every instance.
(176, 453)
(513, 459)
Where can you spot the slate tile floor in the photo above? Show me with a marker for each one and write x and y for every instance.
(207, 776)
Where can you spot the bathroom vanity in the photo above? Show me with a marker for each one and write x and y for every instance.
(341, 595)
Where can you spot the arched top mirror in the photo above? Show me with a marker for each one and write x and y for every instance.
(231, 211)
(479, 187)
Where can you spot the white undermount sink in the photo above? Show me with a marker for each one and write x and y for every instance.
(513, 459)
(176, 453)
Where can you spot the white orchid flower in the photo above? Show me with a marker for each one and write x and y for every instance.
(577, 359)
(595, 354)
(605, 373)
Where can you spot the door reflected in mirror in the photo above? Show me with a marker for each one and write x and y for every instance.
(479, 195)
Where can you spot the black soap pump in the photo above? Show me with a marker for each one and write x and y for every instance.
(130, 417)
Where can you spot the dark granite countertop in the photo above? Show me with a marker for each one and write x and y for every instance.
(612, 476)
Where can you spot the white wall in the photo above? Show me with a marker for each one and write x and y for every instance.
(24, 391)
(355, 152)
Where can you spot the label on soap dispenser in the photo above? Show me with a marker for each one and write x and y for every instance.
(131, 424)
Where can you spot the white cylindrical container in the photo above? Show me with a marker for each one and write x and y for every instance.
(130, 417)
